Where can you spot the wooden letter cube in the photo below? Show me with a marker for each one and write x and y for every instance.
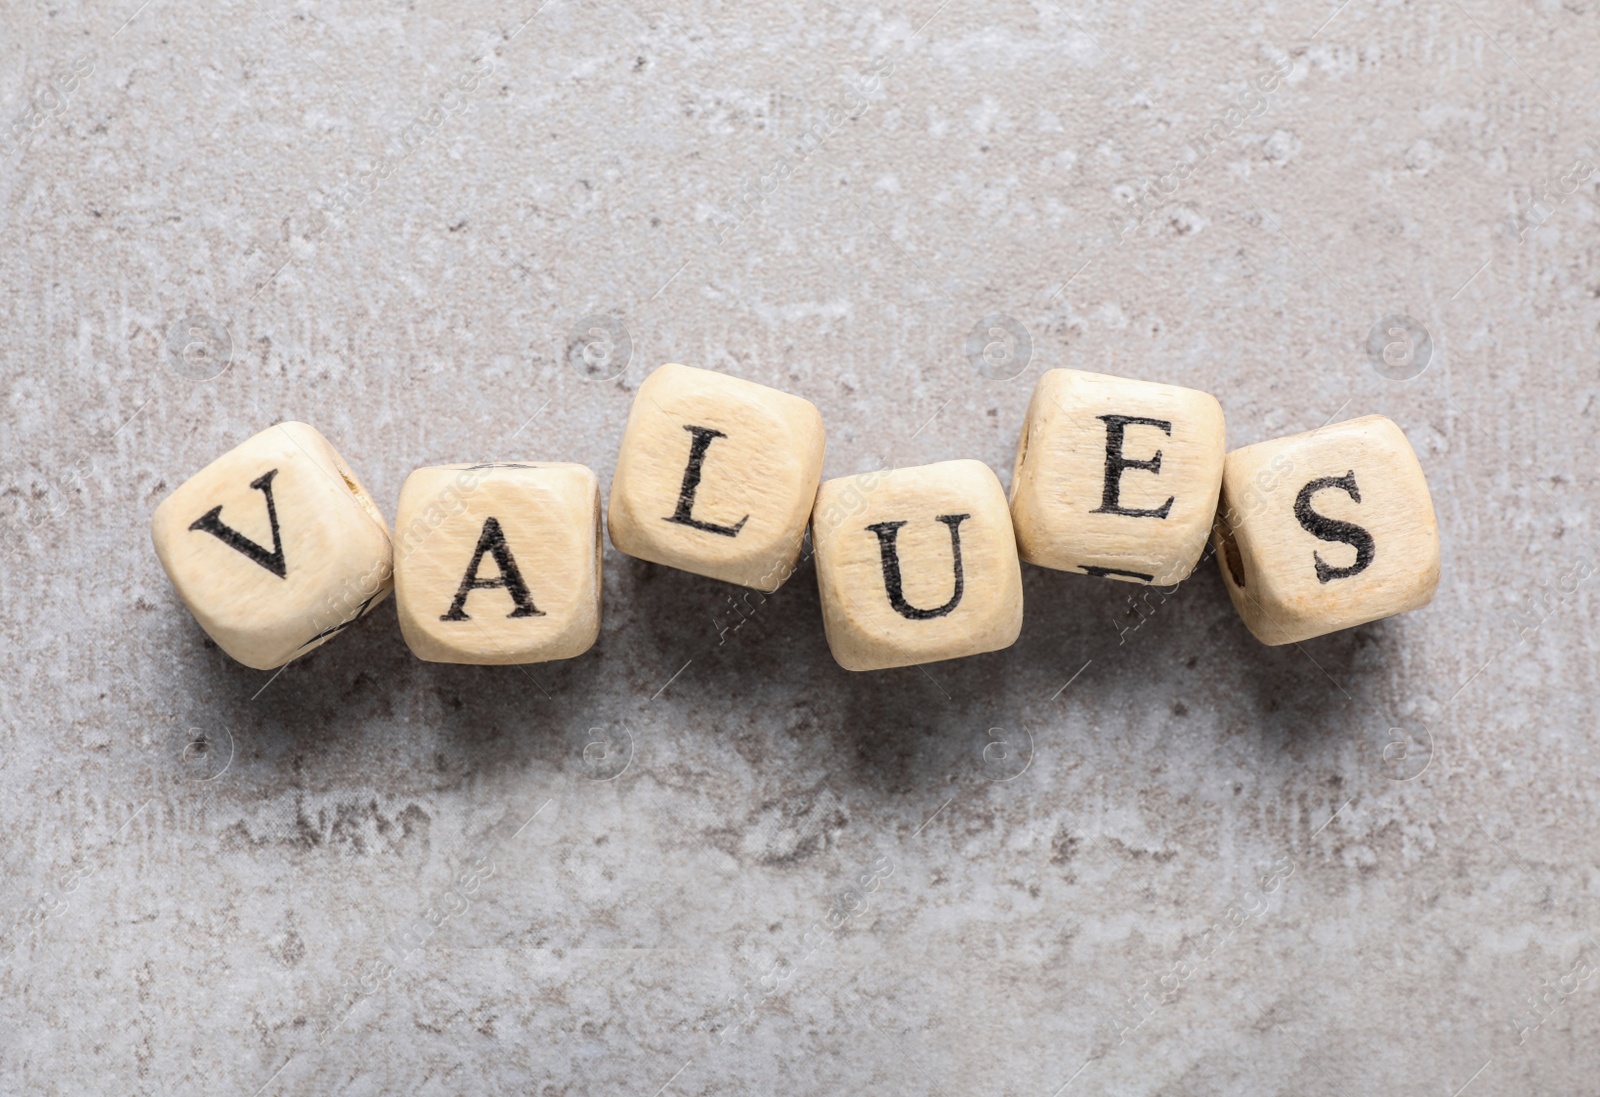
(498, 563)
(275, 546)
(1322, 531)
(1116, 478)
(916, 565)
(716, 476)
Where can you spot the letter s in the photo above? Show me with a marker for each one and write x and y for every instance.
(1329, 529)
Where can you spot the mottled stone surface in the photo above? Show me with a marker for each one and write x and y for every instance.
(1138, 853)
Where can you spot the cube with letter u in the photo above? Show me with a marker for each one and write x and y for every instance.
(916, 565)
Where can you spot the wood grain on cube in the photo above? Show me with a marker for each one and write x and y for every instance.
(275, 546)
(916, 565)
(1116, 478)
(1326, 530)
(498, 563)
(716, 476)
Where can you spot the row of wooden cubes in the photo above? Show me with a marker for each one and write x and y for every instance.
(275, 547)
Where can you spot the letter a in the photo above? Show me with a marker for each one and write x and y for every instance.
(209, 522)
(887, 532)
(493, 541)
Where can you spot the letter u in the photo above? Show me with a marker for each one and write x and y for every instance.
(887, 533)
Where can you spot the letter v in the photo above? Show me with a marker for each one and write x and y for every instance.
(209, 522)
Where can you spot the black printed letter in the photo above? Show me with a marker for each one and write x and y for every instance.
(1116, 463)
(1327, 529)
(1100, 572)
(691, 482)
(209, 522)
(492, 541)
(887, 532)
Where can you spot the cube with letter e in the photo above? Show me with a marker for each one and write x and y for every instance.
(1326, 530)
(1116, 478)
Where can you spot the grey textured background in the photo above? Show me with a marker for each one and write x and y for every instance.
(1362, 865)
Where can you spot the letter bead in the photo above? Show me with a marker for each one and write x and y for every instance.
(498, 563)
(1116, 478)
(275, 546)
(716, 476)
(916, 565)
(1326, 530)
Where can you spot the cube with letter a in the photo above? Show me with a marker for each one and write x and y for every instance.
(1116, 478)
(1326, 530)
(716, 476)
(275, 546)
(916, 565)
(498, 563)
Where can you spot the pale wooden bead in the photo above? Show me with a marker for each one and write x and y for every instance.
(1116, 478)
(916, 565)
(1326, 530)
(498, 563)
(716, 476)
(275, 546)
